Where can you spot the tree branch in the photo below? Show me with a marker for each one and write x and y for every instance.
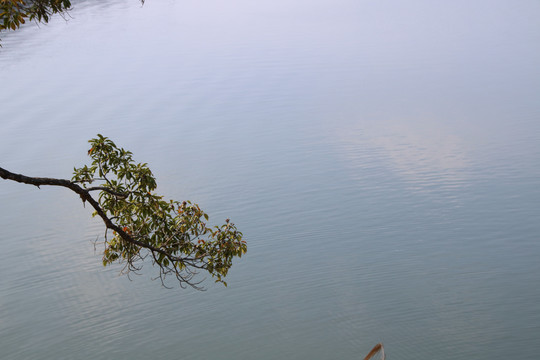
(36, 181)
(85, 196)
(142, 222)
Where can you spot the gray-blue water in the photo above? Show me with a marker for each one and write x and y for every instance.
(381, 157)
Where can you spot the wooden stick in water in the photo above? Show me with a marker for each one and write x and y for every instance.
(377, 348)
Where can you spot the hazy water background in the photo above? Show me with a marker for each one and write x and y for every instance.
(381, 157)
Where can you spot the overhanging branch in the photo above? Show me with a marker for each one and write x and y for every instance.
(86, 197)
(171, 231)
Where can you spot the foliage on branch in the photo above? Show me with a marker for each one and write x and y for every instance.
(173, 235)
(14, 13)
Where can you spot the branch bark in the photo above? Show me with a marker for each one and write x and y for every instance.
(85, 196)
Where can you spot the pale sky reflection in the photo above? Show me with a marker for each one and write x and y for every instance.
(423, 152)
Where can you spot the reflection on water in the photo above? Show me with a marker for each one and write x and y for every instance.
(425, 153)
(381, 160)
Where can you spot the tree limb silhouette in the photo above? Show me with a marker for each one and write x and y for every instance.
(173, 233)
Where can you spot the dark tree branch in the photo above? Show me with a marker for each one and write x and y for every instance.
(36, 181)
(142, 222)
(86, 197)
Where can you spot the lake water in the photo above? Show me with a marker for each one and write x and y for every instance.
(381, 157)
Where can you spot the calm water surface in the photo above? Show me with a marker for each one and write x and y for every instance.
(381, 158)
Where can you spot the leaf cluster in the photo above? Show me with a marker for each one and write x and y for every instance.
(174, 235)
(14, 13)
